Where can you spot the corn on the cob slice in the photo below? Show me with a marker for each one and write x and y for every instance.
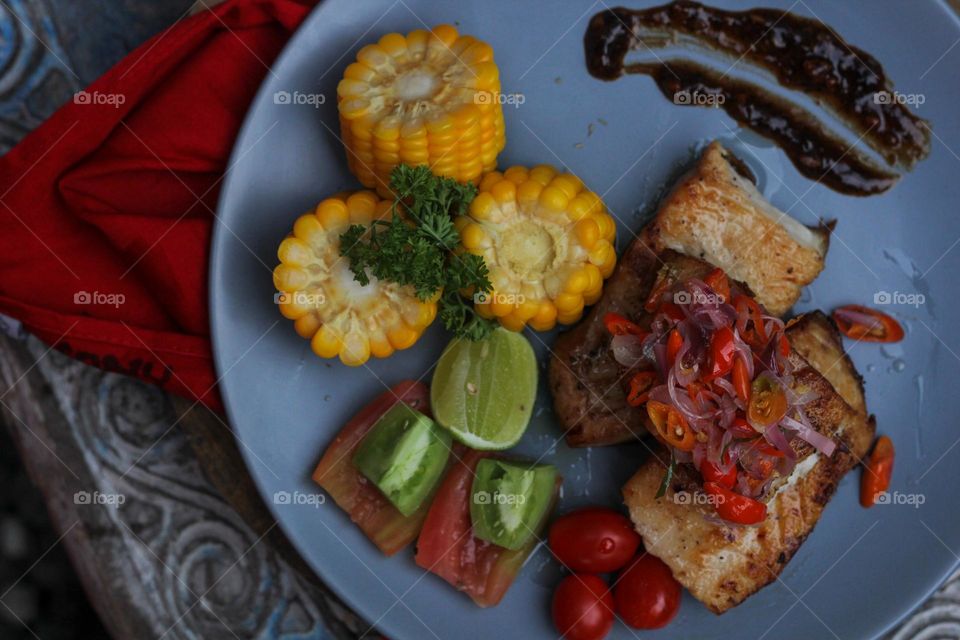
(547, 242)
(430, 97)
(318, 292)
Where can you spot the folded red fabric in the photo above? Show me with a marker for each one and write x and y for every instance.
(106, 209)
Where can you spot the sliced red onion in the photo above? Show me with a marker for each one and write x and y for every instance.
(817, 440)
(775, 436)
(627, 350)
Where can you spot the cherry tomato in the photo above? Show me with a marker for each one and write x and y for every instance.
(722, 353)
(868, 325)
(582, 607)
(618, 325)
(717, 280)
(594, 540)
(877, 471)
(671, 425)
(640, 385)
(734, 507)
(646, 593)
(741, 379)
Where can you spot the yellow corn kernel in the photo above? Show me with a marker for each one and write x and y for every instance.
(504, 191)
(307, 325)
(483, 310)
(567, 183)
(355, 349)
(326, 342)
(473, 237)
(543, 174)
(577, 281)
(588, 233)
(529, 192)
(608, 228)
(512, 322)
(380, 346)
(482, 206)
(546, 317)
(569, 302)
(554, 199)
(333, 214)
(288, 278)
(569, 318)
(402, 337)
(295, 252)
(516, 175)
(489, 180)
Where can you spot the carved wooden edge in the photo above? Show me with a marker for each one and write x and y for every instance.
(59, 472)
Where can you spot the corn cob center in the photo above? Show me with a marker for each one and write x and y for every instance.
(530, 248)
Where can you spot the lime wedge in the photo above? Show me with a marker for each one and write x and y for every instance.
(484, 391)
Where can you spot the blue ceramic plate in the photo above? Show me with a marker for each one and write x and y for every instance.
(861, 570)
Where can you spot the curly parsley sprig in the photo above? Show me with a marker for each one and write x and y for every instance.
(416, 247)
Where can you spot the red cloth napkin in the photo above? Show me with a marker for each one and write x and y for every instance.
(106, 209)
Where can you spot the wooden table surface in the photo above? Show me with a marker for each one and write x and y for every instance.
(191, 552)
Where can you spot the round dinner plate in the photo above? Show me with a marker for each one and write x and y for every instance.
(861, 570)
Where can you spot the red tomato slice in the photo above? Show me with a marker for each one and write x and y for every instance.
(386, 527)
(447, 547)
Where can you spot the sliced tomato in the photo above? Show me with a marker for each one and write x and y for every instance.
(386, 527)
(866, 324)
(448, 548)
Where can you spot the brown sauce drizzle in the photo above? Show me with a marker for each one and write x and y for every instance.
(802, 54)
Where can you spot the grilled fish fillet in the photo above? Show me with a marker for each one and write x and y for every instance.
(716, 214)
(722, 565)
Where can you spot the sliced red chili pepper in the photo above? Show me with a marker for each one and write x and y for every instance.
(640, 385)
(741, 379)
(784, 345)
(717, 280)
(741, 429)
(722, 352)
(871, 325)
(671, 425)
(757, 337)
(877, 471)
(660, 287)
(618, 325)
(672, 310)
(674, 342)
(734, 507)
(712, 472)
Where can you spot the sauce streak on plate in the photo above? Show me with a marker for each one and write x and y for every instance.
(802, 54)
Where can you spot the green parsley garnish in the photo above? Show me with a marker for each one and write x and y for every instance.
(416, 247)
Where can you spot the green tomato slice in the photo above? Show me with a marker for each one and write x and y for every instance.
(404, 455)
(510, 501)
